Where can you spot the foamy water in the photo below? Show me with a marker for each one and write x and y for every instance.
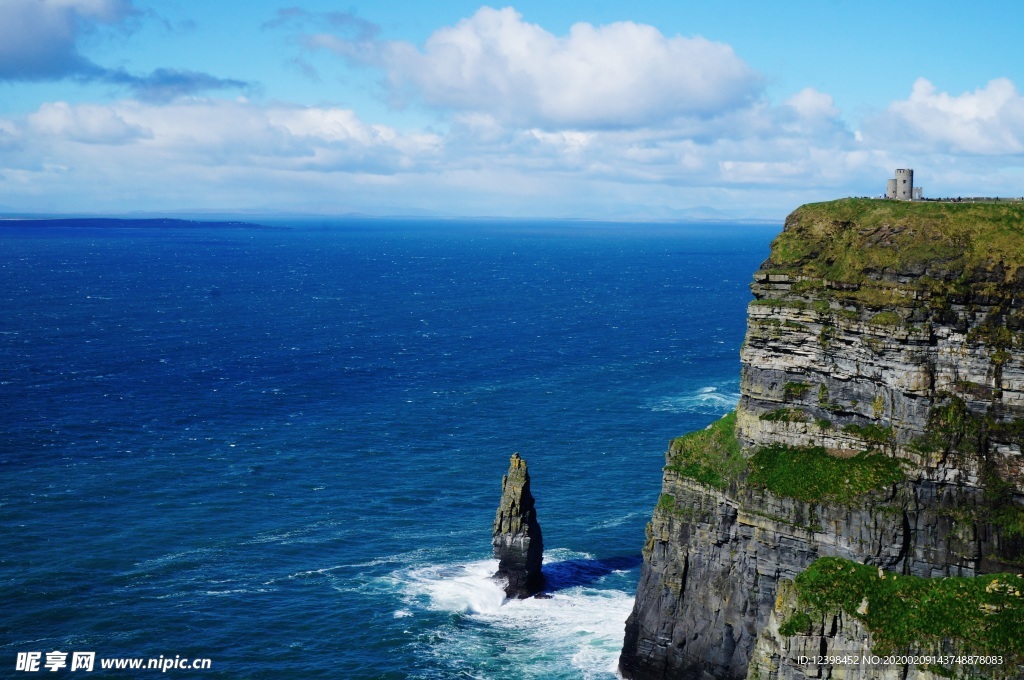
(462, 588)
(711, 400)
(577, 627)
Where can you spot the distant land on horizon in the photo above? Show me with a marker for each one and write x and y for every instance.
(256, 218)
(125, 223)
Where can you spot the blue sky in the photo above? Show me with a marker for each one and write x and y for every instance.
(574, 109)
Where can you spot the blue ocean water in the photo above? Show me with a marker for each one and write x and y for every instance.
(282, 449)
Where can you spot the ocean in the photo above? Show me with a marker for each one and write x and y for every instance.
(281, 449)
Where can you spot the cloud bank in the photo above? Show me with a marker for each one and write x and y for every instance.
(987, 121)
(620, 75)
(39, 38)
(39, 41)
(615, 120)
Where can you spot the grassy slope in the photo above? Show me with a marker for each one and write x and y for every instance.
(982, 615)
(712, 457)
(845, 240)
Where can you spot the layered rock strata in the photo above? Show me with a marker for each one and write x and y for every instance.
(518, 544)
(881, 421)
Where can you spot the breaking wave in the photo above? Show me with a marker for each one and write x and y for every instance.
(576, 631)
(712, 400)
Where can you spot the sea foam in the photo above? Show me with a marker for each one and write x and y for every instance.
(712, 400)
(575, 632)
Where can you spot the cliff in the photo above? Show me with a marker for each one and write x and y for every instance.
(867, 495)
(516, 538)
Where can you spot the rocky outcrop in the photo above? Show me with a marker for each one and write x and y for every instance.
(881, 421)
(517, 540)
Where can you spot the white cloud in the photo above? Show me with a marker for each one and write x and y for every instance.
(760, 145)
(86, 123)
(217, 153)
(583, 124)
(617, 104)
(602, 120)
(809, 103)
(620, 75)
(9, 137)
(333, 125)
(294, 138)
(989, 120)
(198, 152)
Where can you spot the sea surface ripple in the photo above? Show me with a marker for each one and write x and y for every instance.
(282, 450)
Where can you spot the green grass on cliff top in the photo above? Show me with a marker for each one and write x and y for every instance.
(844, 240)
(810, 473)
(710, 456)
(982, 615)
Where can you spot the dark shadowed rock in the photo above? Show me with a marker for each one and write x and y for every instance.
(517, 541)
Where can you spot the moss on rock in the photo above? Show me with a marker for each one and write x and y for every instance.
(810, 473)
(982, 615)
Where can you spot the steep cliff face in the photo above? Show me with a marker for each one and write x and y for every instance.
(881, 422)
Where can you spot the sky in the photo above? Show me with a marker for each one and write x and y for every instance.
(576, 109)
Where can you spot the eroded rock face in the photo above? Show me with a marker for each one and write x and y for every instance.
(920, 358)
(517, 540)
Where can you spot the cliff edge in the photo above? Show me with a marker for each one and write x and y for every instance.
(867, 496)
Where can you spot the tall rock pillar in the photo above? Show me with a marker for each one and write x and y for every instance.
(517, 541)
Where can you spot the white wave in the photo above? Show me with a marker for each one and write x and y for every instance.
(584, 624)
(710, 400)
(410, 556)
(312, 572)
(564, 554)
(459, 588)
(172, 560)
(619, 521)
(238, 591)
(576, 632)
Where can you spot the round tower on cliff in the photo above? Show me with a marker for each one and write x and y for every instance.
(905, 184)
(890, 188)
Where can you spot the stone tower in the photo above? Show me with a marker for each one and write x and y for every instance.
(905, 184)
(901, 187)
(890, 188)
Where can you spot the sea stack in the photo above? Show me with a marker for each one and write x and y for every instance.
(517, 541)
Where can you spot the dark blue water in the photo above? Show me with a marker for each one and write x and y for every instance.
(282, 450)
